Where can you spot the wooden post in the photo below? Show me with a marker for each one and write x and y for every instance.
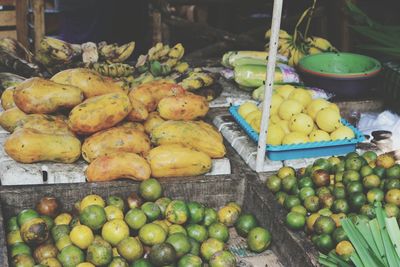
(269, 82)
(21, 9)
(38, 22)
(157, 27)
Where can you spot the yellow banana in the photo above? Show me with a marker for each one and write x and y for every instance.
(282, 34)
(177, 51)
(321, 43)
(313, 50)
(124, 52)
(181, 67)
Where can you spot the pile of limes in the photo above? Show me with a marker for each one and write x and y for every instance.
(145, 230)
(320, 195)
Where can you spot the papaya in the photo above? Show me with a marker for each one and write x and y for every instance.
(139, 111)
(7, 98)
(10, 118)
(152, 121)
(183, 107)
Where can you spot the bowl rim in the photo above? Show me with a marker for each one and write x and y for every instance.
(374, 71)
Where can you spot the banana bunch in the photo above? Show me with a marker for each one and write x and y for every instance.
(113, 53)
(53, 51)
(113, 70)
(197, 79)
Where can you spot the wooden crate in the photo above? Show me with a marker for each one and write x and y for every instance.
(8, 19)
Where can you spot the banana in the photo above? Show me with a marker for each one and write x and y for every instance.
(313, 50)
(57, 50)
(282, 34)
(171, 62)
(114, 70)
(124, 52)
(177, 51)
(321, 43)
(197, 80)
(181, 67)
(162, 53)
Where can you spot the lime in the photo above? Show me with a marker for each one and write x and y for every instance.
(81, 236)
(291, 201)
(288, 183)
(393, 196)
(210, 216)
(196, 212)
(366, 170)
(299, 209)
(162, 204)
(392, 210)
(20, 248)
(339, 176)
(195, 250)
(258, 239)
(339, 193)
(311, 220)
(150, 189)
(295, 190)
(91, 200)
(162, 254)
(181, 244)
(280, 197)
(393, 172)
(325, 212)
(12, 224)
(311, 203)
(113, 212)
(323, 163)
(71, 256)
(116, 201)
(368, 210)
(245, 223)
(354, 187)
(228, 215)
(351, 176)
(371, 181)
(357, 200)
(176, 228)
(351, 155)
(334, 161)
(375, 195)
(285, 171)
(340, 206)
(325, 243)
(130, 248)
(93, 216)
(380, 171)
(210, 247)
(295, 220)
(340, 167)
(26, 215)
(197, 232)
(218, 231)
(141, 263)
(151, 210)
(152, 234)
(190, 261)
(324, 225)
(324, 190)
(305, 182)
(223, 259)
(135, 218)
(392, 184)
(14, 237)
(339, 235)
(114, 231)
(344, 249)
(116, 262)
(274, 183)
(23, 260)
(177, 212)
(321, 178)
(370, 156)
(306, 192)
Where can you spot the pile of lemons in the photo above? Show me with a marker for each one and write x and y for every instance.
(295, 117)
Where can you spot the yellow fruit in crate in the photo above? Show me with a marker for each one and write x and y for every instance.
(253, 115)
(275, 119)
(276, 101)
(334, 107)
(81, 236)
(92, 200)
(319, 135)
(288, 108)
(315, 106)
(342, 132)
(63, 218)
(301, 95)
(275, 134)
(284, 125)
(284, 90)
(295, 138)
(247, 108)
(301, 123)
(328, 120)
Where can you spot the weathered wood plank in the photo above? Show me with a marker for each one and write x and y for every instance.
(8, 18)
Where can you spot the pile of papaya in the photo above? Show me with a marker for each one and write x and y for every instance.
(152, 130)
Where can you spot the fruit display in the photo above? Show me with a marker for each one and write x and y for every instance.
(295, 118)
(81, 113)
(319, 196)
(146, 229)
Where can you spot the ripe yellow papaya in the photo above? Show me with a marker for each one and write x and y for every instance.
(7, 98)
(183, 107)
(10, 118)
(152, 121)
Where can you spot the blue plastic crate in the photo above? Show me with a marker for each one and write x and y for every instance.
(305, 150)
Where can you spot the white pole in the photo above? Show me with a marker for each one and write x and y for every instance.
(269, 82)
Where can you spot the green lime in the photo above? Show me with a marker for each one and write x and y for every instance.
(288, 182)
(339, 177)
(152, 234)
(311, 203)
(393, 172)
(197, 232)
(339, 235)
(210, 216)
(351, 176)
(26, 215)
(223, 259)
(392, 210)
(280, 197)
(258, 239)
(176, 228)
(70, 256)
(339, 193)
(366, 170)
(141, 263)
(245, 223)
(135, 218)
(305, 182)
(368, 210)
(299, 209)
(323, 163)
(150, 189)
(130, 249)
(392, 184)
(370, 156)
(116, 201)
(274, 183)
(195, 250)
(352, 155)
(12, 224)
(324, 190)
(285, 171)
(190, 261)
(340, 206)
(196, 212)
(325, 243)
(162, 204)
(218, 231)
(308, 170)
(295, 190)
(334, 161)
(324, 225)
(295, 221)
(177, 212)
(380, 171)
(93, 216)
(356, 201)
(20, 248)
(340, 167)
(354, 187)
(375, 195)
(353, 164)
(306, 192)
(291, 201)
(151, 210)
(181, 244)
(371, 181)
(162, 254)
(209, 247)
(325, 212)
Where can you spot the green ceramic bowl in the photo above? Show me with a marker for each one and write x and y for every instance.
(346, 75)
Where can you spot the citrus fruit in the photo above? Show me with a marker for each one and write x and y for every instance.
(63, 242)
(70, 256)
(234, 205)
(371, 181)
(280, 197)
(245, 223)
(152, 234)
(210, 247)
(195, 250)
(340, 206)
(375, 195)
(334, 107)
(321, 178)
(275, 135)
(284, 90)
(315, 106)
(393, 172)
(325, 243)
(392, 210)
(99, 252)
(116, 201)
(301, 123)
(276, 101)
(22, 260)
(291, 201)
(20, 248)
(288, 183)
(223, 259)
(197, 232)
(306, 192)
(63, 218)
(295, 220)
(135, 218)
(93, 216)
(162, 254)
(324, 225)
(114, 231)
(85, 264)
(357, 200)
(288, 108)
(53, 262)
(274, 183)
(274, 119)
(295, 138)
(258, 239)
(92, 200)
(210, 216)
(284, 125)
(190, 261)
(337, 218)
(351, 176)
(196, 212)
(311, 203)
(113, 212)
(164, 224)
(246, 108)
(339, 235)
(305, 182)
(344, 249)
(299, 209)
(354, 187)
(319, 136)
(328, 120)
(118, 262)
(181, 244)
(301, 95)
(162, 204)
(256, 114)
(141, 263)
(392, 184)
(81, 236)
(385, 160)
(176, 228)
(393, 196)
(25, 216)
(311, 220)
(177, 212)
(343, 132)
(228, 215)
(150, 189)
(286, 171)
(14, 237)
(218, 231)
(12, 224)
(130, 248)
(152, 211)
(368, 210)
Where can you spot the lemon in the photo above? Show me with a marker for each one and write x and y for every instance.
(92, 200)
(275, 118)
(275, 135)
(284, 90)
(253, 115)
(284, 125)
(315, 106)
(63, 218)
(85, 264)
(295, 138)
(342, 132)
(81, 236)
(276, 101)
(112, 212)
(301, 95)
(247, 108)
(114, 231)
(301, 123)
(335, 107)
(328, 120)
(255, 123)
(288, 108)
(318, 136)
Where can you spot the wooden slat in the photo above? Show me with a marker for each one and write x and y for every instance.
(12, 34)
(38, 21)
(7, 2)
(8, 18)
(21, 8)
